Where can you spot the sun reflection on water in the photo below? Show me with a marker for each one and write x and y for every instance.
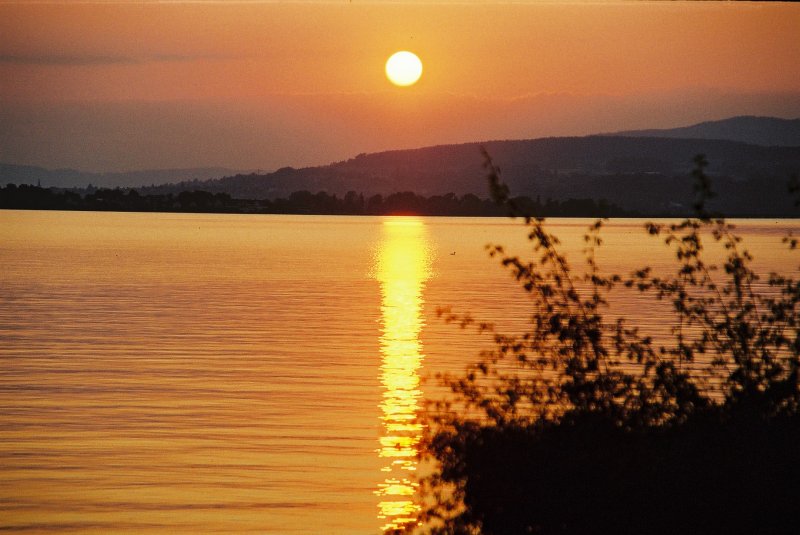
(403, 266)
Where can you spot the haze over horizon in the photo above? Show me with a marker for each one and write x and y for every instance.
(125, 86)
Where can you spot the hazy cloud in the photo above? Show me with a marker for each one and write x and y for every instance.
(298, 130)
(99, 59)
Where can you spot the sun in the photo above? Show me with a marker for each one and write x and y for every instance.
(403, 68)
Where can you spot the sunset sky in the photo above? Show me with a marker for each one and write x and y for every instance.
(106, 86)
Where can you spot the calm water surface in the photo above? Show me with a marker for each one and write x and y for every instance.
(165, 373)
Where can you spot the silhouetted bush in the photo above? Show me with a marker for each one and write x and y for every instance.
(584, 424)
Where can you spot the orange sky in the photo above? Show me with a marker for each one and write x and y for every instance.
(132, 85)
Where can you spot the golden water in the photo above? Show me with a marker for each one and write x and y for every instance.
(185, 373)
(403, 267)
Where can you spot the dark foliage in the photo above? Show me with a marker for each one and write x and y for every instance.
(26, 197)
(299, 202)
(709, 475)
(583, 424)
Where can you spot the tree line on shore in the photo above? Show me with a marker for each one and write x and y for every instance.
(28, 197)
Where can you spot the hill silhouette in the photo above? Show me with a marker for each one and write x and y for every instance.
(646, 171)
(646, 174)
(72, 178)
(767, 131)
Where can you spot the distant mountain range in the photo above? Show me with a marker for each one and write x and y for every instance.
(647, 171)
(651, 175)
(71, 178)
(767, 131)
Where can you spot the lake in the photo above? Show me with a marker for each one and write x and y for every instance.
(185, 373)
